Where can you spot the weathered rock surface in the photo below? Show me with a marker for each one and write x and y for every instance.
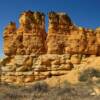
(38, 68)
(9, 37)
(28, 38)
(62, 37)
(32, 54)
(58, 30)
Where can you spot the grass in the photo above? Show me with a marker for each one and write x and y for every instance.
(41, 91)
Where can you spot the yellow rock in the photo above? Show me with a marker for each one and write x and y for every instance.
(29, 79)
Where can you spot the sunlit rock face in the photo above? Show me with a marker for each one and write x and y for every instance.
(28, 38)
(65, 37)
(33, 54)
(9, 37)
(62, 36)
(58, 31)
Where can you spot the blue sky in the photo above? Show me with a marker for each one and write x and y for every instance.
(84, 13)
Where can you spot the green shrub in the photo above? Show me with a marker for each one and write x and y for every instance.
(41, 86)
(88, 74)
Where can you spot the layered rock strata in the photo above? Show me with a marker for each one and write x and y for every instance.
(32, 54)
(29, 69)
(29, 38)
(65, 37)
(58, 30)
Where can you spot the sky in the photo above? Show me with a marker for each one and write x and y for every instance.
(84, 13)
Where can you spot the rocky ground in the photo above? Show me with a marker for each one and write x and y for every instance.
(88, 88)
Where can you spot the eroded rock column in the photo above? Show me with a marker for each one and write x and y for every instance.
(58, 29)
(34, 35)
(9, 39)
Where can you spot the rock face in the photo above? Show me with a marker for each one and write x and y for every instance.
(29, 38)
(58, 31)
(32, 54)
(9, 37)
(27, 67)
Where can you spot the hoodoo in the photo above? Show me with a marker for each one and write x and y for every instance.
(33, 54)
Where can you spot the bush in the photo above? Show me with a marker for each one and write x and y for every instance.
(40, 87)
(41, 91)
(88, 74)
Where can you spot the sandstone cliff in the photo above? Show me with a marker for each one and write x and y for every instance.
(32, 54)
(28, 38)
(63, 37)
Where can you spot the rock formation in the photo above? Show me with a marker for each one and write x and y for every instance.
(32, 54)
(58, 30)
(29, 38)
(9, 37)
